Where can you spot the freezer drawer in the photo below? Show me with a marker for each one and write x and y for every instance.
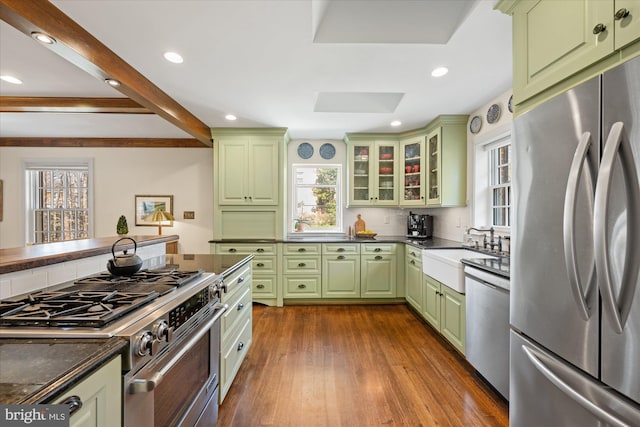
(546, 391)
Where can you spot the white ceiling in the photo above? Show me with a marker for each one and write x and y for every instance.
(258, 60)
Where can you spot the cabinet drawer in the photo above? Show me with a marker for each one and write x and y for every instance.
(246, 248)
(413, 254)
(236, 282)
(263, 286)
(264, 265)
(232, 356)
(377, 248)
(338, 248)
(302, 287)
(302, 265)
(301, 249)
(234, 313)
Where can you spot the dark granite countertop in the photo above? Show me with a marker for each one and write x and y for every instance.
(499, 266)
(432, 243)
(38, 370)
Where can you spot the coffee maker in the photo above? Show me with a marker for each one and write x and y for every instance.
(419, 226)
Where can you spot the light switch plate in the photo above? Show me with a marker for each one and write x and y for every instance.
(189, 215)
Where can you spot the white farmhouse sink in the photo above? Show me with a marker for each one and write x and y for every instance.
(444, 265)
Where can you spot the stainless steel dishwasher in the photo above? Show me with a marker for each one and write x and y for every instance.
(488, 326)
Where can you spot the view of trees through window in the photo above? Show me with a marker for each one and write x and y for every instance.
(317, 198)
(59, 204)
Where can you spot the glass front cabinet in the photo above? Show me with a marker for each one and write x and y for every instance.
(412, 174)
(373, 173)
(434, 170)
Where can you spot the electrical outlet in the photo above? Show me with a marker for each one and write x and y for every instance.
(189, 215)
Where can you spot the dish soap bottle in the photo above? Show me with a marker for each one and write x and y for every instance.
(361, 226)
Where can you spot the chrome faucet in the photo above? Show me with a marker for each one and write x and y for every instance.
(490, 242)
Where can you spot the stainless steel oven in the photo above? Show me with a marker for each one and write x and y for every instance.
(180, 387)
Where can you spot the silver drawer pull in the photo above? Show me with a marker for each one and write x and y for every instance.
(240, 280)
(377, 250)
(74, 403)
(378, 257)
(302, 286)
(413, 253)
(340, 249)
(340, 256)
(233, 250)
(240, 306)
(260, 264)
(240, 346)
(302, 250)
(302, 264)
(260, 250)
(260, 286)
(412, 262)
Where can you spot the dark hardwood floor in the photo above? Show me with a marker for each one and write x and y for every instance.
(354, 365)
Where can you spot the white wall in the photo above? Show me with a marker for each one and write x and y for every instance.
(120, 174)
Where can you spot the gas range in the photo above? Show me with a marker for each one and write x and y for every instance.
(151, 309)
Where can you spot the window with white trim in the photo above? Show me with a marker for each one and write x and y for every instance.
(492, 183)
(58, 200)
(500, 185)
(316, 201)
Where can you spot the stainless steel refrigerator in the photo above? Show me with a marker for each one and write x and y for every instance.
(575, 288)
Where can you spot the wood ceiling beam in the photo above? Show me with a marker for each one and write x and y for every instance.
(78, 46)
(102, 142)
(30, 104)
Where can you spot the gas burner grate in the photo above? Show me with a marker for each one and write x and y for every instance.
(76, 308)
(171, 277)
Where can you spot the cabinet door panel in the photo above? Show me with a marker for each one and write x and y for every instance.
(434, 168)
(232, 181)
(341, 276)
(378, 274)
(264, 173)
(431, 304)
(627, 29)
(413, 277)
(555, 39)
(453, 325)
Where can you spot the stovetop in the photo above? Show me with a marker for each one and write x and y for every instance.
(93, 301)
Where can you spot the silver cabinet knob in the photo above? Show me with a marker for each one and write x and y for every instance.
(621, 14)
(600, 28)
(302, 286)
(260, 286)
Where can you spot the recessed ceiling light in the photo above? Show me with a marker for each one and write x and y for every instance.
(173, 57)
(112, 82)
(43, 38)
(396, 123)
(439, 72)
(11, 79)
(230, 117)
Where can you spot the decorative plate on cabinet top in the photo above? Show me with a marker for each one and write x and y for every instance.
(510, 104)
(475, 125)
(493, 114)
(327, 151)
(305, 150)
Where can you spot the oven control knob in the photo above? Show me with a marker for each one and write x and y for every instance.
(162, 331)
(144, 344)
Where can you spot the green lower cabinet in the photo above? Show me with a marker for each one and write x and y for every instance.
(378, 276)
(341, 276)
(413, 280)
(444, 309)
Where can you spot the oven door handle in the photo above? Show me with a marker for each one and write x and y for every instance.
(145, 385)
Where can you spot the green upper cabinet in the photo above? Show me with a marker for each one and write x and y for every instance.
(446, 162)
(412, 171)
(554, 40)
(373, 171)
(248, 170)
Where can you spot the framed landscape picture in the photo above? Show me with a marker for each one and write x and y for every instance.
(146, 205)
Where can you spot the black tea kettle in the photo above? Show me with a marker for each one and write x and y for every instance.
(125, 264)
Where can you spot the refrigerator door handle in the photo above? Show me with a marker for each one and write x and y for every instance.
(579, 161)
(617, 309)
(586, 392)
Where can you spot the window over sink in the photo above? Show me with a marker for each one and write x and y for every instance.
(492, 183)
(58, 200)
(317, 199)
